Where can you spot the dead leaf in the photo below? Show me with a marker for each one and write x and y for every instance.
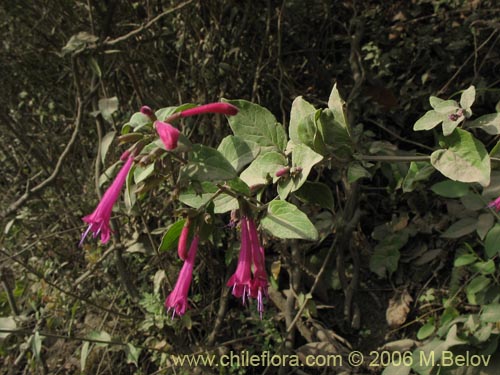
(399, 307)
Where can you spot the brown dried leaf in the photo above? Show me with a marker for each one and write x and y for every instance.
(399, 307)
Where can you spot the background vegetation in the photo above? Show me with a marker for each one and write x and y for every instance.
(74, 71)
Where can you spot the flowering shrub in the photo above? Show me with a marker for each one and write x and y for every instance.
(261, 174)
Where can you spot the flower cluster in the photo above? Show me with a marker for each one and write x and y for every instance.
(250, 277)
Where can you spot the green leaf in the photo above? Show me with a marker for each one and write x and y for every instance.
(465, 159)
(108, 173)
(129, 195)
(484, 223)
(141, 173)
(84, 354)
(425, 331)
(300, 109)
(430, 120)
(446, 107)
(335, 136)
(238, 151)
(105, 143)
(108, 106)
(489, 123)
(492, 241)
(385, 258)
(305, 158)
(309, 134)
(435, 101)
(192, 198)
(336, 104)
(170, 238)
(418, 171)
(316, 193)
(264, 167)
(461, 228)
(137, 121)
(286, 221)
(491, 313)
(225, 203)
(100, 336)
(476, 285)
(467, 98)
(255, 123)
(133, 354)
(464, 260)
(208, 164)
(356, 171)
(450, 189)
(450, 125)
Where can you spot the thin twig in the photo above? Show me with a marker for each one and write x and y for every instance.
(111, 42)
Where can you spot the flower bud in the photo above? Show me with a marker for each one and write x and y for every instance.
(283, 171)
(145, 110)
(182, 246)
(223, 108)
(168, 134)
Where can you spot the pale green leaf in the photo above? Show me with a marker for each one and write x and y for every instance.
(8, 324)
(430, 120)
(467, 98)
(305, 158)
(465, 159)
(489, 123)
(264, 168)
(491, 313)
(100, 336)
(286, 221)
(300, 109)
(108, 106)
(141, 173)
(208, 164)
(105, 143)
(238, 152)
(255, 123)
(84, 354)
(336, 104)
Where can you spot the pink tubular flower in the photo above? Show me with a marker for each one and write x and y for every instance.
(99, 220)
(182, 245)
(177, 299)
(168, 134)
(259, 282)
(251, 254)
(495, 204)
(223, 108)
(241, 281)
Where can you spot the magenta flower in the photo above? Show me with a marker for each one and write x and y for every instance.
(244, 283)
(182, 245)
(495, 204)
(145, 110)
(99, 220)
(259, 282)
(177, 299)
(168, 134)
(223, 108)
(241, 280)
